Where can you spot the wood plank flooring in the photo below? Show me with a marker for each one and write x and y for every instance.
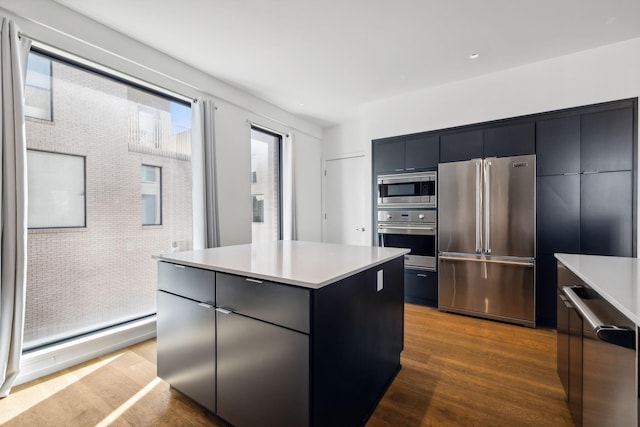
(456, 371)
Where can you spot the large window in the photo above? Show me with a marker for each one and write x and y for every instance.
(265, 185)
(115, 157)
(56, 190)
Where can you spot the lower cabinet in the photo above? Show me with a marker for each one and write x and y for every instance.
(421, 287)
(575, 366)
(569, 349)
(184, 324)
(263, 373)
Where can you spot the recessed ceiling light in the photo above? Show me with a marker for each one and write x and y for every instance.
(474, 56)
(301, 104)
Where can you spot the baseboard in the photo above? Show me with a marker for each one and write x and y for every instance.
(38, 363)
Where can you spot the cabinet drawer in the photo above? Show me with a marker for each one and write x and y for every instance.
(194, 283)
(421, 287)
(276, 303)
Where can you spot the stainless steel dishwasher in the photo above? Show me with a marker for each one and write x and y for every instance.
(609, 383)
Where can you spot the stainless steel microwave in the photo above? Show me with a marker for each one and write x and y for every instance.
(411, 190)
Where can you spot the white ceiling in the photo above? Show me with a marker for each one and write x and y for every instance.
(324, 59)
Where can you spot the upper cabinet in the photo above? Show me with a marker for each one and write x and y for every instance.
(488, 141)
(422, 153)
(607, 141)
(388, 156)
(510, 140)
(558, 146)
(592, 142)
(405, 154)
(459, 146)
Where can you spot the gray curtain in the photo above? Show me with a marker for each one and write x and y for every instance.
(203, 125)
(289, 225)
(14, 51)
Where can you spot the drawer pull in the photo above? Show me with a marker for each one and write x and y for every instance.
(205, 305)
(178, 266)
(223, 310)
(253, 280)
(421, 275)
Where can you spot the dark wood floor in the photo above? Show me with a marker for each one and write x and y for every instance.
(456, 371)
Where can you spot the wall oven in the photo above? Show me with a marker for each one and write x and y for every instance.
(410, 229)
(414, 190)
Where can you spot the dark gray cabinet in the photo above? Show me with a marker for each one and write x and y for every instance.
(569, 349)
(585, 191)
(606, 213)
(187, 323)
(263, 373)
(422, 153)
(405, 154)
(263, 365)
(421, 287)
(510, 140)
(388, 156)
(488, 141)
(460, 146)
(562, 337)
(558, 145)
(575, 366)
(607, 140)
(558, 219)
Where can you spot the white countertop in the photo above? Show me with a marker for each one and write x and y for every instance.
(307, 264)
(616, 279)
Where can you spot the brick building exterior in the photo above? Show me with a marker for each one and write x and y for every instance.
(85, 278)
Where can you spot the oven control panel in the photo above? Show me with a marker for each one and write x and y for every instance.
(407, 216)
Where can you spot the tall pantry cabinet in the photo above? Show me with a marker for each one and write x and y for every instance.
(585, 189)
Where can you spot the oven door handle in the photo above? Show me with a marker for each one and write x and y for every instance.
(408, 230)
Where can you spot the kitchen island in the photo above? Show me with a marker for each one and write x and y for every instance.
(282, 333)
(598, 319)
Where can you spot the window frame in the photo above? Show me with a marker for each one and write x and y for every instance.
(160, 223)
(280, 139)
(84, 185)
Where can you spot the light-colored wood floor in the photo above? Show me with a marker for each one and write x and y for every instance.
(456, 371)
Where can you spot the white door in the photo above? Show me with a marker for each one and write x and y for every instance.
(345, 189)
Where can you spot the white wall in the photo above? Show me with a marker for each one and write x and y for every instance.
(598, 75)
(55, 25)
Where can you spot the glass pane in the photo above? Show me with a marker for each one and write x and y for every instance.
(38, 87)
(151, 195)
(84, 279)
(265, 185)
(56, 190)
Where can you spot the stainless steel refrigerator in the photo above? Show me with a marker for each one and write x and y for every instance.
(486, 238)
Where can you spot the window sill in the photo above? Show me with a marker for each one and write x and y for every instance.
(45, 361)
(58, 230)
(152, 227)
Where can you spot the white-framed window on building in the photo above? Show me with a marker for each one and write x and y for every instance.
(39, 102)
(101, 273)
(258, 207)
(266, 185)
(56, 184)
(151, 191)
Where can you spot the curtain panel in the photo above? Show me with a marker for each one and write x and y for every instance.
(203, 130)
(290, 229)
(14, 51)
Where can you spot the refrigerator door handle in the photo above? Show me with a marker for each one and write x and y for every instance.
(487, 207)
(478, 205)
(520, 263)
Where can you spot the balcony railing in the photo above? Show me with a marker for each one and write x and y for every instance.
(156, 137)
